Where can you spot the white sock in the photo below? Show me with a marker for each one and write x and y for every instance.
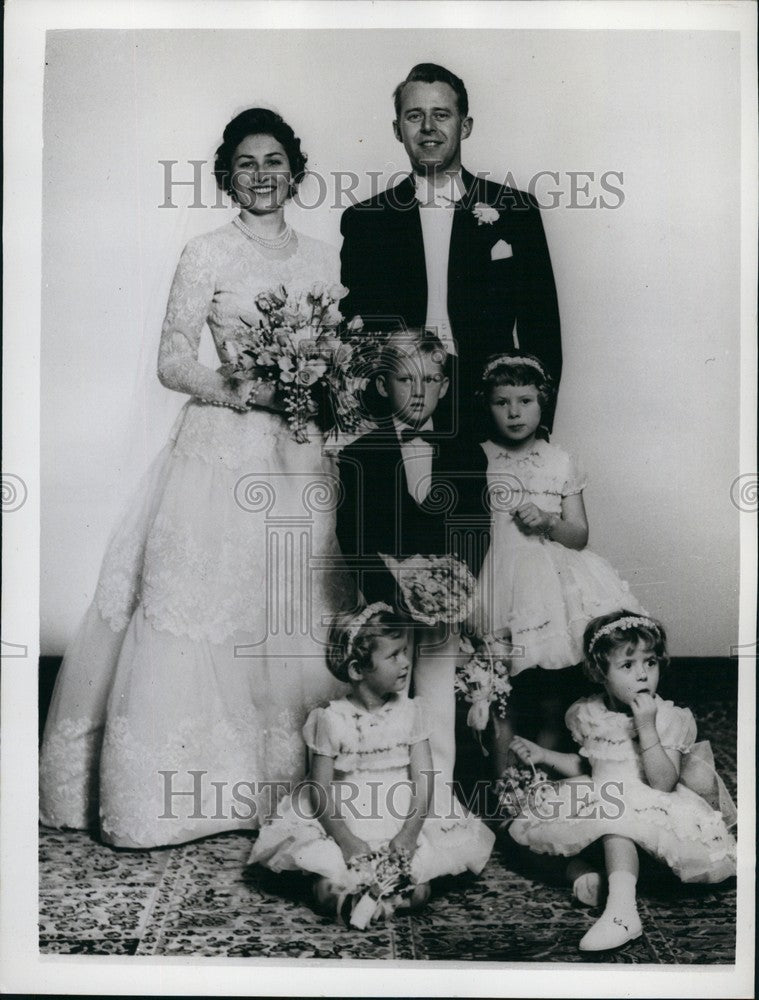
(622, 892)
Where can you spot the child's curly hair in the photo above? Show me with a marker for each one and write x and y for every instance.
(353, 637)
(517, 368)
(620, 628)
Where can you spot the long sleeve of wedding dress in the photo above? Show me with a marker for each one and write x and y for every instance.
(190, 301)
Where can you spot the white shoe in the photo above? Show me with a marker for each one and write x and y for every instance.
(612, 930)
(586, 888)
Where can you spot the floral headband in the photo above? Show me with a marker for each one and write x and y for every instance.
(629, 622)
(362, 618)
(511, 360)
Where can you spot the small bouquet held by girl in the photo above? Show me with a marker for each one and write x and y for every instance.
(434, 590)
(377, 846)
(302, 346)
(383, 884)
(521, 790)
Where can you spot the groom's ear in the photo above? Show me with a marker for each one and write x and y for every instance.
(467, 124)
(397, 130)
(381, 385)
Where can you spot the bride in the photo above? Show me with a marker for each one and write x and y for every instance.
(179, 705)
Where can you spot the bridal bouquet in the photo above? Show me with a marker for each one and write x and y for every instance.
(483, 681)
(520, 788)
(382, 882)
(301, 344)
(434, 589)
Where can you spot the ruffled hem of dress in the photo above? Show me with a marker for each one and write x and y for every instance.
(304, 846)
(677, 827)
(712, 872)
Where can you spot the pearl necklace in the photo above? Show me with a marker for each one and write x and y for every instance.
(276, 243)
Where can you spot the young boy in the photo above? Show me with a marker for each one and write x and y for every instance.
(408, 492)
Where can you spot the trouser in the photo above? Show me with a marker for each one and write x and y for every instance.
(437, 653)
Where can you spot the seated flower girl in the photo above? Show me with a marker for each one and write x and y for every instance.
(651, 788)
(365, 806)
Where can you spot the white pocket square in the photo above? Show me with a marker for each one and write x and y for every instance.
(501, 250)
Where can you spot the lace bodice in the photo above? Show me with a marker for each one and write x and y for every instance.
(609, 740)
(359, 740)
(542, 475)
(217, 280)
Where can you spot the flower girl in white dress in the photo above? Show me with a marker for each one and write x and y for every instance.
(369, 785)
(539, 585)
(651, 786)
(202, 652)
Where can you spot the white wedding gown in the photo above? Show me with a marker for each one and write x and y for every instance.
(188, 683)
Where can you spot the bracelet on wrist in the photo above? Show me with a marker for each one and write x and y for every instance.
(650, 746)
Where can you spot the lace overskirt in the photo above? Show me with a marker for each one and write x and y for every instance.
(187, 685)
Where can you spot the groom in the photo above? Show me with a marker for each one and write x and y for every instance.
(450, 251)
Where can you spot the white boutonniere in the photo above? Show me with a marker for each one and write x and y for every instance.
(485, 214)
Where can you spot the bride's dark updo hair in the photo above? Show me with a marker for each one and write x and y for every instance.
(258, 121)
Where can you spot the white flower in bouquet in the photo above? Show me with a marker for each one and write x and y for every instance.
(293, 314)
(310, 372)
(332, 346)
(356, 385)
(303, 335)
(332, 316)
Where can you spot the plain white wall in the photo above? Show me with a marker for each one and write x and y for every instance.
(649, 292)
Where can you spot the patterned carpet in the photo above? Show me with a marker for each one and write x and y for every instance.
(199, 899)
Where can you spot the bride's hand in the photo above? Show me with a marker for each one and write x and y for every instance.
(260, 394)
